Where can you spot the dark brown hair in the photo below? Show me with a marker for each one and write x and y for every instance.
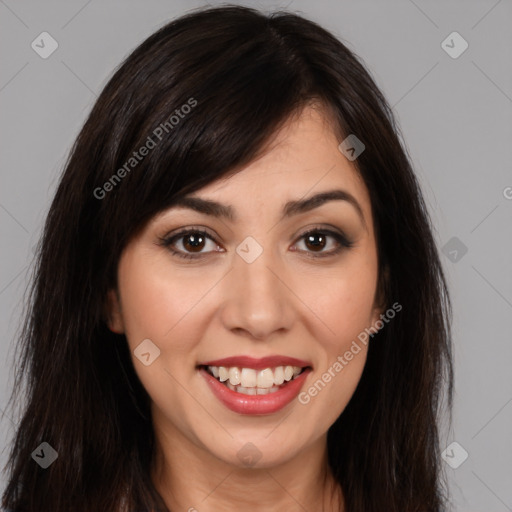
(243, 74)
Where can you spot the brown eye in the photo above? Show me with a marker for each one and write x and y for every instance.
(194, 242)
(319, 243)
(315, 241)
(191, 243)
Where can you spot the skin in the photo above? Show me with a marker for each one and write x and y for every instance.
(284, 303)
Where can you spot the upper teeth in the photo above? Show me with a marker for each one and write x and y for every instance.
(250, 378)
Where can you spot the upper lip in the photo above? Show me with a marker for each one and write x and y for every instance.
(257, 364)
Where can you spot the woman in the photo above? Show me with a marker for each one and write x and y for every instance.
(238, 301)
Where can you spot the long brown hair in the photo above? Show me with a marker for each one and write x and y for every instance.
(242, 74)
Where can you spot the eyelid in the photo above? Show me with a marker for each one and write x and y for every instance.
(189, 229)
(323, 228)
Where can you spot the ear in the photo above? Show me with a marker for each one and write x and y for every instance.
(114, 316)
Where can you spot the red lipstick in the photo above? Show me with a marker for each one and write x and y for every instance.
(256, 404)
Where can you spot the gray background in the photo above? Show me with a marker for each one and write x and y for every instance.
(456, 118)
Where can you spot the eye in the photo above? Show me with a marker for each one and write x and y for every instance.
(189, 243)
(316, 240)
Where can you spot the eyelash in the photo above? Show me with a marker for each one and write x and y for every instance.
(343, 241)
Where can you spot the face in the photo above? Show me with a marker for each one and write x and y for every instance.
(270, 280)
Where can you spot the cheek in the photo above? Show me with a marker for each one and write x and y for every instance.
(160, 307)
(157, 305)
(348, 310)
(342, 299)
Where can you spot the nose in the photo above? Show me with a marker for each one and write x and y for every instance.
(257, 302)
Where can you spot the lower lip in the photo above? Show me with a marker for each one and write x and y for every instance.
(256, 404)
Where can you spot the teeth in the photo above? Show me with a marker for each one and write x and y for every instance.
(250, 382)
(265, 378)
(279, 375)
(244, 391)
(253, 391)
(248, 379)
(223, 374)
(234, 376)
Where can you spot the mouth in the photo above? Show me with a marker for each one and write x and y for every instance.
(249, 381)
(255, 386)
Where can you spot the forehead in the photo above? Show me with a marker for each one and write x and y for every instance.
(300, 160)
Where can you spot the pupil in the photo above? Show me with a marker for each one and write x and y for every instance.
(194, 241)
(311, 240)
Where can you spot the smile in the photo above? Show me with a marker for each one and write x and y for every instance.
(254, 382)
(255, 386)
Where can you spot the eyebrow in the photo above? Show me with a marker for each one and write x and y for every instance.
(208, 207)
